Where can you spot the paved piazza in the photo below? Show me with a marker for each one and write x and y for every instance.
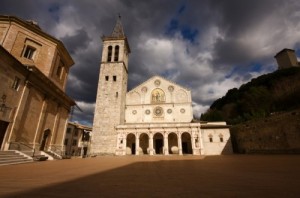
(156, 176)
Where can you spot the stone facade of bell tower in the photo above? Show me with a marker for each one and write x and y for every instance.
(111, 93)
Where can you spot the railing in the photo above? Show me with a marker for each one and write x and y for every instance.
(20, 146)
(57, 150)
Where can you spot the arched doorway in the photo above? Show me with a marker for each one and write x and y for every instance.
(44, 140)
(186, 143)
(173, 143)
(130, 144)
(144, 143)
(158, 143)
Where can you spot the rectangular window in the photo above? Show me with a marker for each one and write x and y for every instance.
(115, 78)
(76, 132)
(60, 69)
(68, 130)
(29, 52)
(117, 94)
(106, 78)
(221, 139)
(210, 139)
(16, 83)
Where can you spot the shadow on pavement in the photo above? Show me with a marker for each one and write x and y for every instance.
(219, 176)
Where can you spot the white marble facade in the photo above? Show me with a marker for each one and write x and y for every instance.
(158, 120)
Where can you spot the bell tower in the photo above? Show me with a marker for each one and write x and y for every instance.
(111, 93)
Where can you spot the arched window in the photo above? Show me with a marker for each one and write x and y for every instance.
(221, 138)
(210, 138)
(109, 53)
(117, 53)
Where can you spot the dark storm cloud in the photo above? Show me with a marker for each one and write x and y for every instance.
(237, 18)
(82, 85)
(208, 46)
(75, 42)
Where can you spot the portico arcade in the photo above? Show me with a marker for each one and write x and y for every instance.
(159, 140)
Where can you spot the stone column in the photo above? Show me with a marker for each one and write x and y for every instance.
(41, 116)
(179, 144)
(201, 142)
(124, 143)
(150, 144)
(166, 144)
(193, 143)
(137, 144)
(54, 129)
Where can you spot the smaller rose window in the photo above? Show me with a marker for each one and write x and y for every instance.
(171, 88)
(157, 82)
(144, 89)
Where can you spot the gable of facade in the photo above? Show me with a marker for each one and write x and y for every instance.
(158, 100)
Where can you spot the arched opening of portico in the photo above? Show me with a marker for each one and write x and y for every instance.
(186, 143)
(158, 143)
(144, 143)
(130, 144)
(173, 143)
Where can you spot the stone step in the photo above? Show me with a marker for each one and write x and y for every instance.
(12, 157)
(7, 152)
(13, 161)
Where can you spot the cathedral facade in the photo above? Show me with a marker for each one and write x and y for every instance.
(153, 118)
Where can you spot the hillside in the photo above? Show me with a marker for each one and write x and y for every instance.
(260, 98)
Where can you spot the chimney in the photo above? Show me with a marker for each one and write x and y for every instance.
(286, 58)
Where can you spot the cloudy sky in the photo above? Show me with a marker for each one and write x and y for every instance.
(209, 46)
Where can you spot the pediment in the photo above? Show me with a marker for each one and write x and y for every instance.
(158, 90)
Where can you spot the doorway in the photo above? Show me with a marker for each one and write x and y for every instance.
(3, 127)
(186, 143)
(158, 141)
(185, 147)
(44, 140)
(158, 146)
(130, 144)
(133, 148)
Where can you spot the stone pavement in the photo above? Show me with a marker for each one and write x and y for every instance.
(155, 176)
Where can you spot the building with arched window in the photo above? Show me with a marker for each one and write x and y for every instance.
(34, 67)
(154, 118)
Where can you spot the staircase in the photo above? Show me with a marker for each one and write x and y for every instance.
(53, 155)
(13, 157)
